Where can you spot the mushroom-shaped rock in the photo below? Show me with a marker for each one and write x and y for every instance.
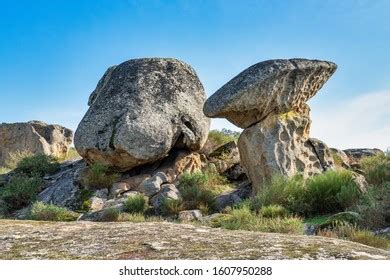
(140, 110)
(269, 87)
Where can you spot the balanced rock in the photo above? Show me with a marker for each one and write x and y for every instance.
(268, 100)
(140, 110)
(268, 87)
(34, 137)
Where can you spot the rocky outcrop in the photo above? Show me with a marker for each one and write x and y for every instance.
(267, 88)
(34, 137)
(62, 188)
(355, 155)
(86, 240)
(268, 100)
(140, 111)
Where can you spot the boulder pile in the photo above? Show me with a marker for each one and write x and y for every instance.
(268, 100)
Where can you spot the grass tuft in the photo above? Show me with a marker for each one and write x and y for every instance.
(50, 212)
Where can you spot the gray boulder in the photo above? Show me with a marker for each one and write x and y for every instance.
(269, 87)
(140, 110)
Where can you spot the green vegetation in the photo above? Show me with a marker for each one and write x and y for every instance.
(171, 207)
(37, 165)
(14, 158)
(136, 204)
(50, 212)
(199, 189)
(376, 169)
(353, 233)
(99, 175)
(131, 218)
(220, 137)
(329, 192)
(20, 191)
(273, 211)
(244, 219)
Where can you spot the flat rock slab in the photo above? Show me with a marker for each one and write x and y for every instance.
(87, 240)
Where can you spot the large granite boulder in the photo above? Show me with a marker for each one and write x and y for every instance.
(280, 145)
(34, 137)
(140, 110)
(269, 87)
(268, 100)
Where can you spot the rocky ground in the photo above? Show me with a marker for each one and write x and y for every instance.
(157, 240)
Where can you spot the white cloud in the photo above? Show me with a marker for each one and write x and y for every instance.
(360, 122)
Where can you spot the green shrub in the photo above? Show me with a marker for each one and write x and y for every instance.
(50, 212)
(329, 192)
(220, 137)
(136, 204)
(244, 219)
(199, 189)
(132, 218)
(353, 233)
(273, 211)
(14, 158)
(376, 169)
(99, 175)
(20, 191)
(171, 207)
(38, 165)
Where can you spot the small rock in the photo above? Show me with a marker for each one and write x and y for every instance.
(96, 203)
(190, 215)
(152, 186)
(101, 193)
(118, 188)
(130, 194)
(309, 229)
(168, 191)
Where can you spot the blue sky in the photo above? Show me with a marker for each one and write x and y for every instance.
(53, 53)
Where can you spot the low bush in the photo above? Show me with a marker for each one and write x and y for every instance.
(14, 158)
(50, 212)
(20, 191)
(353, 233)
(99, 175)
(273, 211)
(171, 207)
(329, 192)
(38, 165)
(244, 219)
(136, 204)
(199, 189)
(376, 169)
(132, 218)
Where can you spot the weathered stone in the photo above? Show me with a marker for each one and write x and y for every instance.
(189, 215)
(140, 110)
(151, 186)
(323, 153)
(355, 155)
(360, 181)
(134, 181)
(168, 191)
(340, 158)
(225, 156)
(61, 188)
(236, 172)
(269, 87)
(278, 145)
(229, 198)
(119, 188)
(97, 203)
(101, 193)
(125, 241)
(130, 194)
(34, 137)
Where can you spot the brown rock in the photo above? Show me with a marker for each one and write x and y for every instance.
(34, 137)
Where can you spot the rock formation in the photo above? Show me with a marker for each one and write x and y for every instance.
(34, 137)
(141, 110)
(268, 100)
